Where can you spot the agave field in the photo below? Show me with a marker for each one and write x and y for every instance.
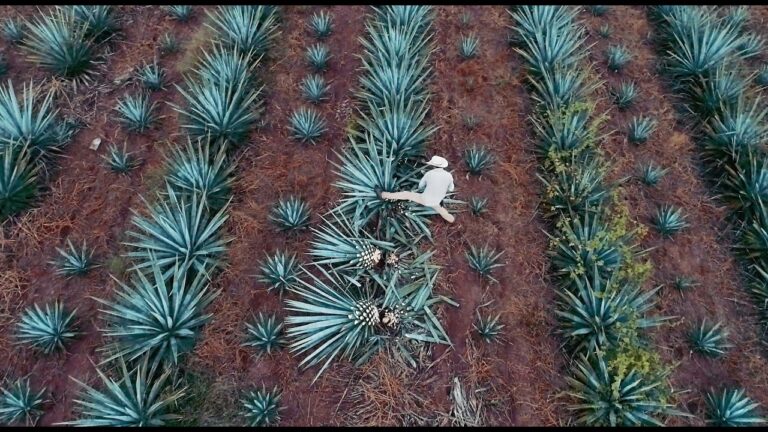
(191, 232)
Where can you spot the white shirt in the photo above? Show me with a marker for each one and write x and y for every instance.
(436, 183)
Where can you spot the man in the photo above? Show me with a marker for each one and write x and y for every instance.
(436, 184)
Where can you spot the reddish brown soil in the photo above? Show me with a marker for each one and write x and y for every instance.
(701, 251)
(84, 201)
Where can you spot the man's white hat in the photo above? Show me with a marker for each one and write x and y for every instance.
(438, 161)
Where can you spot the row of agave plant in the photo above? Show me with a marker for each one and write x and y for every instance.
(598, 270)
(176, 248)
(703, 54)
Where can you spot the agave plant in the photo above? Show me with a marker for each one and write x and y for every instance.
(169, 44)
(279, 271)
(560, 88)
(74, 262)
(617, 57)
(737, 16)
(265, 333)
(465, 18)
(60, 43)
(684, 283)
(152, 76)
(47, 331)
(180, 13)
(604, 31)
(668, 220)
(100, 20)
(222, 112)
(738, 130)
(318, 56)
(580, 185)
(732, 408)
(562, 132)
(468, 46)
(594, 311)
(247, 28)
(3, 65)
(583, 244)
(136, 112)
(321, 24)
(262, 407)
(314, 88)
(478, 159)
(483, 260)
(598, 10)
(651, 174)
(699, 49)
(13, 30)
(18, 180)
(290, 213)
(138, 398)
(338, 242)
(120, 160)
(228, 66)
(761, 76)
(19, 404)
(489, 327)
(195, 169)
(470, 121)
(746, 188)
(640, 129)
(710, 339)
(751, 44)
(158, 316)
(178, 229)
(28, 120)
(307, 124)
(477, 205)
(625, 95)
(605, 398)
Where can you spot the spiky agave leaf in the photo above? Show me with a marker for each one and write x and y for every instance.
(262, 407)
(156, 316)
(625, 95)
(561, 88)
(120, 160)
(19, 404)
(74, 262)
(735, 132)
(579, 185)
(100, 20)
(140, 397)
(737, 16)
(617, 56)
(280, 271)
(684, 283)
(477, 205)
(178, 228)
(29, 120)
(194, 168)
(732, 408)
(221, 111)
(290, 213)
(699, 49)
(669, 219)
(478, 159)
(562, 132)
(746, 189)
(751, 44)
(651, 174)
(604, 398)
(136, 112)
(761, 76)
(181, 13)
(584, 243)
(47, 331)
(318, 56)
(531, 21)
(488, 327)
(169, 44)
(321, 24)
(3, 65)
(483, 260)
(720, 91)
(640, 129)
(13, 30)
(227, 65)
(247, 28)
(59, 42)
(597, 10)
(596, 311)
(152, 76)
(604, 31)
(314, 88)
(753, 244)
(306, 124)
(710, 339)
(330, 318)
(465, 18)
(265, 333)
(339, 243)
(468, 46)
(18, 179)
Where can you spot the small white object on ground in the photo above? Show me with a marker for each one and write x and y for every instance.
(95, 144)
